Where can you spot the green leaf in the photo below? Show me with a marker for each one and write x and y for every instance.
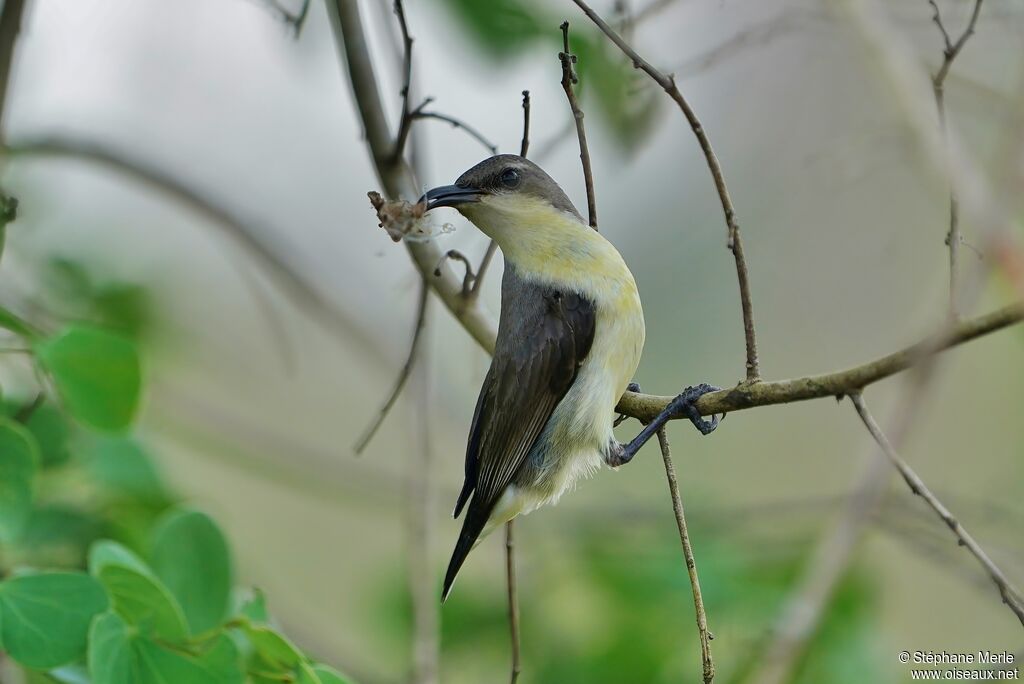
(255, 607)
(275, 653)
(500, 27)
(124, 467)
(111, 660)
(117, 655)
(18, 457)
(105, 552)
(136, 593)
(50, 429)
(191, 556)
(97, 374)
(44, 618)
(329, 675)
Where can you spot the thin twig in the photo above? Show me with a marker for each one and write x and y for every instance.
(406, 121)
(485, 263)
(421, 113)
(691, 565)
(735, 244)
(524, 146)
(645, 407)
(403, 375)
(807, 604)
(513, 599)
(949, 53)
(569, 78)
(468, 279)
(1010, 595)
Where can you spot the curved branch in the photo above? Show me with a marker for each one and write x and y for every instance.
(735, 244)
(394, 174)
(645, 407)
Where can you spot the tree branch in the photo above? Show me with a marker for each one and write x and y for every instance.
(406, 121)
(950, 52)
(10, 26)
(513, 599)
(734, 243)
(403, 375)
(691, 565)
(524, 146)
(394, 174)
(644, 407)
(569, 79)
(1010, 595)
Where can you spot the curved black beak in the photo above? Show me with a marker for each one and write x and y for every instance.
(450, 196)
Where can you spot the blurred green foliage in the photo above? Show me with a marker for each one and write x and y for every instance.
(611, 607)
(622, 97)
(106, 578)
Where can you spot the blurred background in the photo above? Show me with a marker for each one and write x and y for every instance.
(254, 397)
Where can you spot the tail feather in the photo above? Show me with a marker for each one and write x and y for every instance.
(472, 526)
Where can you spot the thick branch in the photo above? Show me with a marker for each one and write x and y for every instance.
(394, 174)
(1010, 595)
(691, 564)
(644, 407)
(735, 244)
(569, 79)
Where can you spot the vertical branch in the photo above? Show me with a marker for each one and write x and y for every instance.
(734, 242)
(406, 121)
(513, 599)
(510, 549)
(950, 51)
(524, 146)
(569, 79)
(1009, 594)
(420, 526)
(691, 564)
(10, 26)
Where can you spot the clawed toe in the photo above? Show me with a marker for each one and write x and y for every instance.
(684, 405)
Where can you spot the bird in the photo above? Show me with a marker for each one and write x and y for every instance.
(570, 335)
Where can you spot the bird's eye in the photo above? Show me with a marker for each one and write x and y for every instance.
(510, 178)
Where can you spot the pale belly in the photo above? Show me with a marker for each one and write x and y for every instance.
(575, 441)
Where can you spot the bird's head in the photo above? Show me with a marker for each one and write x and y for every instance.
(502, 193)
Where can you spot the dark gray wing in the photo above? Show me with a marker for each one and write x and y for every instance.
(543, 337)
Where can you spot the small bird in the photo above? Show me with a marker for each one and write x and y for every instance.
(570, 334)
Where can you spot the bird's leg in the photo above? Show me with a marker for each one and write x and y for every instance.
(681, 405)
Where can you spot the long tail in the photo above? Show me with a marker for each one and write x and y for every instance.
(472, 526)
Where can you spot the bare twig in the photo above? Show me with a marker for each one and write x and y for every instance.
(421, 113)
(420, 527)
(395, 175)
(406, 121)
(569, 79)
(524, 146)
(691, 565)
(403, 375)
(468, 279)
(513, 599)
(804, 608)
(1010, 595)
(950, 51)
(735, 244)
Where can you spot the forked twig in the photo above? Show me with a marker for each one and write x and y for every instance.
(569, 78)
(1011, 595)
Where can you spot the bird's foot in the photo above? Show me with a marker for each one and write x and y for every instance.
(684, 405)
